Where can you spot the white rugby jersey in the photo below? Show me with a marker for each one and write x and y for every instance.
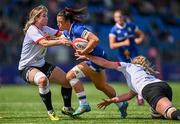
(136, 77)
(32, 53)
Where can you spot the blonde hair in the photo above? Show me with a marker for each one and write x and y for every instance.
(33, 15)
(141, 60)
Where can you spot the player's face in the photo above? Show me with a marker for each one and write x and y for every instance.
(62, 23)
(119, 18)
(42, 19)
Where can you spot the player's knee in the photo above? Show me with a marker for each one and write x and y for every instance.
(43, 82)
(74, 75)
(70, 75)
(77, 72)
(40, 79)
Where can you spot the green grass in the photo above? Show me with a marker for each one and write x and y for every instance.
(22, 104)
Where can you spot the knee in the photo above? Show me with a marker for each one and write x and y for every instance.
(43, 82)
(40, 79)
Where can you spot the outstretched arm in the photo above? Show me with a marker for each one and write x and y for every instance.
(100, 61)
(47, 42)
(124, 97)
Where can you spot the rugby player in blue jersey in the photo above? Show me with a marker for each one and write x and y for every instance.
(70, 21)
(124, 36)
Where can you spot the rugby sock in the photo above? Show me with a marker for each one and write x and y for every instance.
(66, 94)
(176, 115)
(82, 98)
(119, 104)
(46, 98)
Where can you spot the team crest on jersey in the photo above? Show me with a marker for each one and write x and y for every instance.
(118, 31)
(129, 29)
(125, 34)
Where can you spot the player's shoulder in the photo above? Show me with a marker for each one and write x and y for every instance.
(114, 27)
(130, 24)
(78, 26)
(32, 29)
(46, 27)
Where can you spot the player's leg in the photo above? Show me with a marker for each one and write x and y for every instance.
(99, 80)
(73, 77)
(164, 107)
(159, 96)
(164, 104)
(59, 76)
(36, 76)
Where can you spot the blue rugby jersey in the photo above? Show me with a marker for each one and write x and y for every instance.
(79, 30)
(121, 33)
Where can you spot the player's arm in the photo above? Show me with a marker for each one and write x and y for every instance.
(93, 40)
(139, 37)
(52, 42)
(114, 45)
(124, 97)
(100, 61)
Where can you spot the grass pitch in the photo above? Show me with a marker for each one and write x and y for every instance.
(22, 105)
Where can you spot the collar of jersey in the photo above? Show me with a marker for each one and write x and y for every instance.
(121, 27)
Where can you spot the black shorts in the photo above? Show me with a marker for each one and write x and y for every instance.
(46, 69)
(152, 93)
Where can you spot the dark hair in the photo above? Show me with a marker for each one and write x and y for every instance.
(73, 14)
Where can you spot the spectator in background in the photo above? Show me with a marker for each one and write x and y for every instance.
(125, 36)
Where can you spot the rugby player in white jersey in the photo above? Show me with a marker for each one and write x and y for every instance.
(32, 65)
(141, 81)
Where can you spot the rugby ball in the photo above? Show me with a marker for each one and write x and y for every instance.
(79, 43)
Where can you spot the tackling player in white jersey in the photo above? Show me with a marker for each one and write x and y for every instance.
(141, 81)
(32, 65)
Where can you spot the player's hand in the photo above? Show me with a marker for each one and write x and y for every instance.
(65, 41)
(127, 42)
(79, 56)
(104, 103)
(80, 52)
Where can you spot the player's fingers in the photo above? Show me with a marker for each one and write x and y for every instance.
(78, 58)
(99, 105)
(104, 107)
(76, 54)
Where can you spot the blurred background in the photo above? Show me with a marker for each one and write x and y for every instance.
(158, 19)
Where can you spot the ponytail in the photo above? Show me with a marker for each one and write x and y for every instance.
(73, 14)
(141, 60)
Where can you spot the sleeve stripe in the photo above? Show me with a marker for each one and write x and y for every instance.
(85, 34)
(37, 41)
(57, 33)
